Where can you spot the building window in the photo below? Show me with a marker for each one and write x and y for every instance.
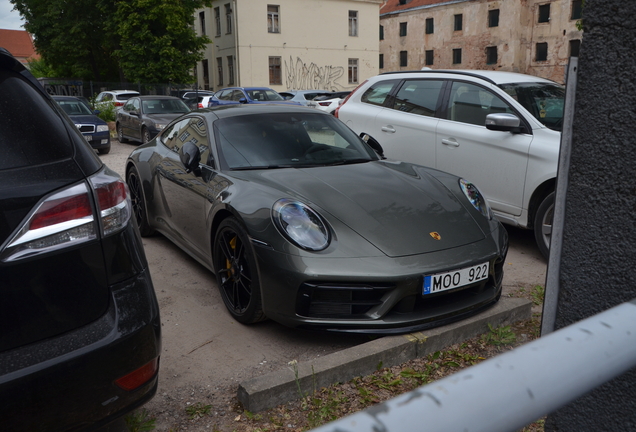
(228, 18)
(275, 74)
(206, 75)
(381, 32)
(542, 51)
(230, 70)
(273, 23)
(353, 23)
(457, 56)
(491, 55)
(429, 26)
(353, 71)
(402, 2)
(429, 55)
(544, 13)
(493, 18)
(217, 20)
(381, 61)
(403, 29)
(575, 46)
(459, 24)
(219, 68)
(403, 58)
(577, 6)
(202, 22)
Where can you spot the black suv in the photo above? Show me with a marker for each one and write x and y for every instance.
(79, 320)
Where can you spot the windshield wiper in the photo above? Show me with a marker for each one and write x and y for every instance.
(349, 161)
(263, 167)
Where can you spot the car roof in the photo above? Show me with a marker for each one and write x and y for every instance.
(494, 77)
(64, 97)
(155, 97)
(235, 110)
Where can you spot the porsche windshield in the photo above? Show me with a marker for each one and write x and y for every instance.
(544, 101)
(288, 140)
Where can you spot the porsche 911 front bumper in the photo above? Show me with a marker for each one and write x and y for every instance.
(377, 294)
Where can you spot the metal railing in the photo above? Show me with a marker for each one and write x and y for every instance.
(510, 391)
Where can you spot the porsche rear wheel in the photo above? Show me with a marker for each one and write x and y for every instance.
(236, 274)
(138, 202)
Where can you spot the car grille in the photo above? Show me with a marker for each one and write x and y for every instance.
(339, 300)
(86, 128)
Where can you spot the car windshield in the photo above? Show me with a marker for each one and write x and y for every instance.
(544, 101)
(264, 95)
(164, 106)
(74, 107)
(288, 140)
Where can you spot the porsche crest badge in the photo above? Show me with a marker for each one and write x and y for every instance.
(435, 235)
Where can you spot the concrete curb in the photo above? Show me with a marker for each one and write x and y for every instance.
(276, 388)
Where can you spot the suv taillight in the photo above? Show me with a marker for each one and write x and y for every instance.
(119, 104)
(335, 113)
(68, 217)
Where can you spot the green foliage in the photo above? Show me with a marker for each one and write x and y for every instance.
(106, 112)
(139, 421)
(40, 69)
(326, 409)
(198, 410)
(538, 294)
(499, 336)
(116, 40)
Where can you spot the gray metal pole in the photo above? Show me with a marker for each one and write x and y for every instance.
(508, 392)
(550, 300)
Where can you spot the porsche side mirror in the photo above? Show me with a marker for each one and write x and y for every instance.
(373, 144)
(190, 158)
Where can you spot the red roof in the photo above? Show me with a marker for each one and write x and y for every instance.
(395, 6)
(19, 43)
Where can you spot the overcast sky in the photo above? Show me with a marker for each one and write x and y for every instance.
(9, 19)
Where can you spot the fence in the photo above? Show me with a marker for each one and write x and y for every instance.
(89, 89)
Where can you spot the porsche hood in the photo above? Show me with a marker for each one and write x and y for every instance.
(397, 207)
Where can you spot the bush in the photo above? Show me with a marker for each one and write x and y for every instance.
(106, 112)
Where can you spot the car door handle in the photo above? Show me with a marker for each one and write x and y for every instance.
(450, 142)
(388, 129)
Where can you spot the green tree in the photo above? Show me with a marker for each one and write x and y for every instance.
(40, 69)
(158, 42)
(116, 40)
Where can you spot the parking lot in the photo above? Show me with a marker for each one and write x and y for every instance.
(206, 353)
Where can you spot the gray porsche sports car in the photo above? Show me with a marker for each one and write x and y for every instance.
(303, 223)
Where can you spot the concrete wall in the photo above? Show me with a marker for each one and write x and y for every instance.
(313, 43)
(599, 237)
(515, 37)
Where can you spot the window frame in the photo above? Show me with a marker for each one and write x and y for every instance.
(576, 10)
(404, 58)
(217, 20)
(429, 57)
(490, 60)
(493, 18)
(275, 70)
(353, 23)
(574, 43)
(403, 29)
(353, 69)
(458, 22)
(219, 69)
(228, 18)
(457, 53)
(429, 26)
(273, 18)
(543, 13)
(381, 61)
(202, 22)
(544, 51)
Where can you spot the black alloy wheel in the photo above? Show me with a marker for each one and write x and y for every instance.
(236, 273)
(120, 134)
(145, 135)
(138, 202)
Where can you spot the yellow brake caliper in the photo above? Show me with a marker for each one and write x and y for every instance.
(228, 264)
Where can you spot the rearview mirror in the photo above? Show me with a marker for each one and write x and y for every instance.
(505, 122)
(190, 158)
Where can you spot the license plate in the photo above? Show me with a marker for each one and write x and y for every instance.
(88, 137)
(455, 279)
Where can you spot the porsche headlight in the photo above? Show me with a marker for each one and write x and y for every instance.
(475, 197)
(301, 225)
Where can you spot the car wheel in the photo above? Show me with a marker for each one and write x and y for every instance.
(543, 224)
(120, 134)
(104, 150)
(138, 202)
(145, 135)
(236, 274)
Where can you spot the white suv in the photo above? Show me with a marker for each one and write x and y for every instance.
(500, 130)
(117, 97)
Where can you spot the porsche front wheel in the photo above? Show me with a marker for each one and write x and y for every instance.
(236, 274)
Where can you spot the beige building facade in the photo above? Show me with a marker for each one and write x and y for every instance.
(289, 44)
(535, 37)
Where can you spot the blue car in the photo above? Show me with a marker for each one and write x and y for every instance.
(94, 129)
(248, 95)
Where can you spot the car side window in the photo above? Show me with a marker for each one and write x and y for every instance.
(379, 92)
(471, 104)
(418, 97)
(128, 107)
(237, 95)
(170, 135)
(191, 130)
(225, 95)
(136, 104)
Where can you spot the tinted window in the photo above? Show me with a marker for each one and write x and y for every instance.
(471, 104)
(21, 106)
(378, 92)
(418, 97)
(544, 101)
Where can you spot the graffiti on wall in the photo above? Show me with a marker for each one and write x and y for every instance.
(301, 76)
(62, 87)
